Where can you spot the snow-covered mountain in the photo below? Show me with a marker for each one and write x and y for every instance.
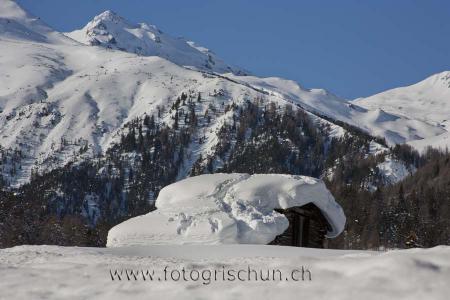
(62, 100)
(427, 101)
(57, 95)
(114, 32)
(395, 128)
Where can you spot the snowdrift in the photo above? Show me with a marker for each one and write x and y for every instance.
(226, 209)
(53, 272)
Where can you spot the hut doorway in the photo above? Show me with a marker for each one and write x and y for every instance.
(307, 227)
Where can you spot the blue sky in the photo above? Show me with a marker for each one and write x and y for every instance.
(352, 48)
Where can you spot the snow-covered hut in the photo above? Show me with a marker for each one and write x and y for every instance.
(237, 209)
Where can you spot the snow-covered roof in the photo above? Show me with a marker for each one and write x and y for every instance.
(226, 209)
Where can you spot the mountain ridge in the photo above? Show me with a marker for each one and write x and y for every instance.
(427, 101)
(112, 31)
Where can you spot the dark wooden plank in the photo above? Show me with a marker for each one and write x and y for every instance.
(307, 227)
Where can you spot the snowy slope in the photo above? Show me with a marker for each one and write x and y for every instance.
(397, 129)
(226, 209)
(394, 170)
(427, 101)
(50, 272)
(114, 32)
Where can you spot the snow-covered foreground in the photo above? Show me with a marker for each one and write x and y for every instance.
(51, 272)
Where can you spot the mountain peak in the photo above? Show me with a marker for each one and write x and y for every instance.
(426, 101)
(437, 82)
(17, 24)
(108, 15)
(112, 31)
(10, 9)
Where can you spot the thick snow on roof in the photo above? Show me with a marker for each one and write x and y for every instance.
(226, 209)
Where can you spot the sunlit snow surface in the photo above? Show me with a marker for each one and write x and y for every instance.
(426, 101)
(50, 272)
(226, 209)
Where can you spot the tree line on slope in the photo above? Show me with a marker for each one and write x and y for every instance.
(412, 213)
